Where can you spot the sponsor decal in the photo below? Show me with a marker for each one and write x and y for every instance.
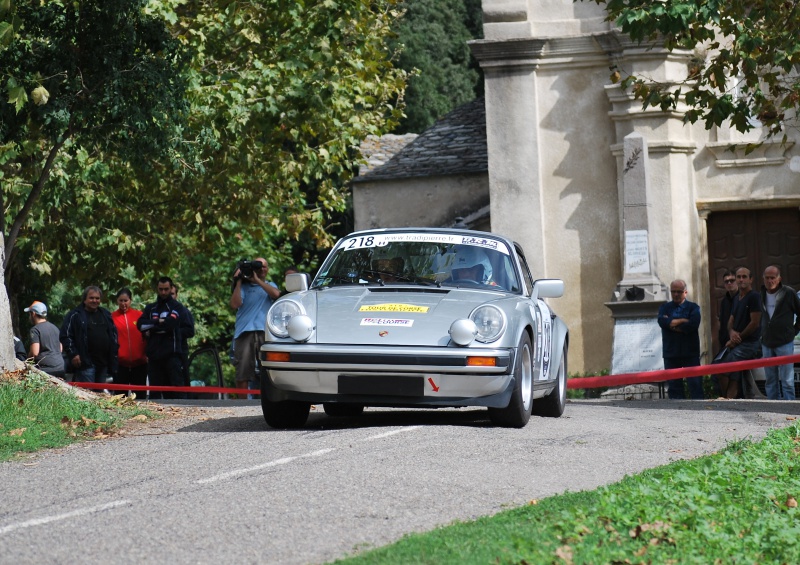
(381, 240)
(481, 242)
(383, 333)
(398, 322)
(547, 334)
(394, 308)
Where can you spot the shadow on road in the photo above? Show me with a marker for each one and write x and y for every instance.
(318, 421)
(788, 407)
(253, 421)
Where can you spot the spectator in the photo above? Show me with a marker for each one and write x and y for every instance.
(292, 269)
(45, 345)
(19, 349)
(251, 298)
(680, 321)
(132, 358)
(725, 306)
(89, 339)
(187, 331)
(744, 331)
(160, 325)
(780, 322)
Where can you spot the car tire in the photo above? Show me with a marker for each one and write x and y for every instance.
(284, 414)
(518, 411)
(343, 409)
(552, 405)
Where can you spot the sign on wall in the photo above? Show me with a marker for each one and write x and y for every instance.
(637, 346)
(637, 252)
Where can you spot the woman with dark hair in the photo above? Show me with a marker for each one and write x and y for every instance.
(132, 359)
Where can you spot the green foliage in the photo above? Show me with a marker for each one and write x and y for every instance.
(738, 506)
(747, 56)
(434, 35)
(178, 136)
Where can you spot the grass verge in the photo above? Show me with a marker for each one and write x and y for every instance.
(738, 506)
(35, 414)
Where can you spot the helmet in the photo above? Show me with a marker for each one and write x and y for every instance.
(468, 257)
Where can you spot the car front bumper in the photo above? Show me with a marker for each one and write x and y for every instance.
(388, 376)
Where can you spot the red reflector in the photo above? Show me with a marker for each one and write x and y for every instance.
(481, 362)
(275, 356)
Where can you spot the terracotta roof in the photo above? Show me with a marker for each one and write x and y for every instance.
(456, 144)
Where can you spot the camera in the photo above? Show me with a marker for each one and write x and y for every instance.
(246, 268)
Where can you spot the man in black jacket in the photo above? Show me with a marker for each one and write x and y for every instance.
(780, 322)
(160, 325)
(89, 340)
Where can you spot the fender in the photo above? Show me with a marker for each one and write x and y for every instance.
(560, 341)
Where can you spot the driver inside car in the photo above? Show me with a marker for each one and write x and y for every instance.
(472, 264)
(389, 270)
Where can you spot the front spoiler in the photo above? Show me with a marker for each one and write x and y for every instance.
(274, 394)
(387, 376)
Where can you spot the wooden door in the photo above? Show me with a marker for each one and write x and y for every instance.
(754, 239)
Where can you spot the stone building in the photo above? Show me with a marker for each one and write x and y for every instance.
(616, 200)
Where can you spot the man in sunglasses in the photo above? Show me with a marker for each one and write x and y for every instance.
(744, 331)
(725, 307)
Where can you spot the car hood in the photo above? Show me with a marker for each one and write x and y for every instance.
(392, 316)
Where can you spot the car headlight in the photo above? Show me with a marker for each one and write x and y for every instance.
(279, 316)
(490, 321)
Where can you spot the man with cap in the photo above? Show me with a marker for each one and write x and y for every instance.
(45, 344)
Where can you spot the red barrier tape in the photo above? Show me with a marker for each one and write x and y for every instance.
(669, 374)
(192, 389)
(574, 383)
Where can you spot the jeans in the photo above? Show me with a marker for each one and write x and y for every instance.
(675, 386)
(780, 379)
(166, 372)
(90, 375)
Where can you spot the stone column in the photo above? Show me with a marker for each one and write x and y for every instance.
(640, 293)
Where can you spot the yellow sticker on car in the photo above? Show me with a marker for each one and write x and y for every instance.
(394, 308)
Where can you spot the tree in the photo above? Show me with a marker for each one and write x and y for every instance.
(97, 76)
(277, 98)
(748, 57)
(434, 35)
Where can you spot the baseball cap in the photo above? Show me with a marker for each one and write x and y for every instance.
(37, 308)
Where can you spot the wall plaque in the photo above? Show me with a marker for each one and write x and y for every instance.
(637, 346)
(637, 252)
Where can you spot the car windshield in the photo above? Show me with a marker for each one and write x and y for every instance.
(420, 259)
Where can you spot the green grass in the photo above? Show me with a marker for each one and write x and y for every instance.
(737, 506)
(36, 415)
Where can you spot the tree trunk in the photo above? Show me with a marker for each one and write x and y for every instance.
(7, 357)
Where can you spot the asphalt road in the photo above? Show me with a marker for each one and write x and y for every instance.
(219, 486)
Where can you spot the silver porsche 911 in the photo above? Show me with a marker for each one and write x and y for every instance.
(416, 317)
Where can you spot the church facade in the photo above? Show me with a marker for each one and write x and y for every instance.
(618, 200)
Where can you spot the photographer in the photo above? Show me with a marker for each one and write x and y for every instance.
(251, 298)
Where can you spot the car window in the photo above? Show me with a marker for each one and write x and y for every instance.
(420, 259)
(526, 272)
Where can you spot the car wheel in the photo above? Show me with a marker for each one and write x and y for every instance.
(552, 405)
(342, 409)
(518, 411)
(284, 414)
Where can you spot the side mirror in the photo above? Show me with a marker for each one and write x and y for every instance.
(296, 282)
(548, 288)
